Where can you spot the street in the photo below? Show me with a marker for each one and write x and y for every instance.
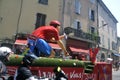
(115, 75)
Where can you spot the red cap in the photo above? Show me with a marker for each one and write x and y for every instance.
(55, 22)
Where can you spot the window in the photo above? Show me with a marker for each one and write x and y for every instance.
(92, 1)
(114, 46)
(92, 30)
(108, 56)
(43, 2)
(40, 21)
(102, 57)
(92, 15)
(77, 6)
(77, 24)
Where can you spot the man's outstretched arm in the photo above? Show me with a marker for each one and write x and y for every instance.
(60, 43)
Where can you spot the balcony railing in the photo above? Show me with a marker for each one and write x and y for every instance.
(83, 35)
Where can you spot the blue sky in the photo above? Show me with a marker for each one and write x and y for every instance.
(114, 7)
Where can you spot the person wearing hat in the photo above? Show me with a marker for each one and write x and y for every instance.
(5, 53)
(38, 40)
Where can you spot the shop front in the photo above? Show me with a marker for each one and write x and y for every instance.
(20, 46)
(57, 49)
(78, 49)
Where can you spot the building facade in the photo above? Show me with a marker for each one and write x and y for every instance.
(118, 44)
(117, 56)
(80, 23)
(18, 16)
(91, 24)
(88, 23)
(107, 31)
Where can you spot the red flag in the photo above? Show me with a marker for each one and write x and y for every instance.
(93, 53)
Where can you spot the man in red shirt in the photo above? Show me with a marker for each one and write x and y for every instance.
(39, 38)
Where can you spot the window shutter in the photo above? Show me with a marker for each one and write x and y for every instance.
(75, 24)
(89, 14)
(77, 6)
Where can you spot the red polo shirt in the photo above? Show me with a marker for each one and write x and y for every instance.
(46, 33)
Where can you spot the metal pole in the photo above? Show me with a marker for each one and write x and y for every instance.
(21, 5)
(63, 11)
(97, 22)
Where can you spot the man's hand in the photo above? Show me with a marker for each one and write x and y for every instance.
(64, 36)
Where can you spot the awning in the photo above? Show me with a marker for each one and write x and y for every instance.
(54, 46)
(117, 54)
(79, 50)
(21, 42)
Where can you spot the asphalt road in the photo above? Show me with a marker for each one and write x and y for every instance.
(116, 75)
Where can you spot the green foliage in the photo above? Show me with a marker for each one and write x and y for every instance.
(58, 62)
(15, 60)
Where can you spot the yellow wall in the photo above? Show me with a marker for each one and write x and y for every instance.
(21, 15)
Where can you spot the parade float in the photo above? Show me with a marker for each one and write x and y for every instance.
(74, 69)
